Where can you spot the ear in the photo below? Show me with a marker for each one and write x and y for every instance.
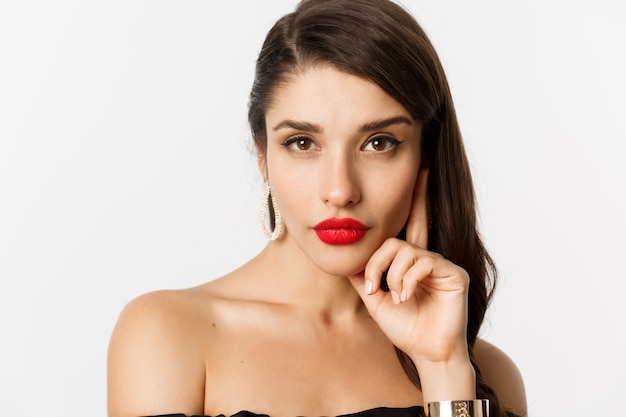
(417, 223)
(262, 162)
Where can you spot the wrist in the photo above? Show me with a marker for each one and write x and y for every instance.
(447, 381)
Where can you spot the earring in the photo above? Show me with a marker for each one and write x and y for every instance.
(275, 221)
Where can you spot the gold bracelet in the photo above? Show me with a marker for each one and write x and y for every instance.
(467, 408)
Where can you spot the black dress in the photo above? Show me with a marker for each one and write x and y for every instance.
(415, 411)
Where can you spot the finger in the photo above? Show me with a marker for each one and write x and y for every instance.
(420, 270)
(371, 300)
(379, 263)
(432, 273)
(403, 260)
(417, 223)
(359, 284)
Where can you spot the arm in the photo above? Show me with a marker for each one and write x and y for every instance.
(424, 313)
(152, 366)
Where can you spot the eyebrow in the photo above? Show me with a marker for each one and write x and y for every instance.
(381, 124)
(303, 126)
(368, 127)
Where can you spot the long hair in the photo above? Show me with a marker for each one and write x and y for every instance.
(380, 41)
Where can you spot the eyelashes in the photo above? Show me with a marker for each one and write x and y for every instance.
(378, 143)
(381, 143)
(299, 143)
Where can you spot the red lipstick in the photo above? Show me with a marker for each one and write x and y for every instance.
(340, 231)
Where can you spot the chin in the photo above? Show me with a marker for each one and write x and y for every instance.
(339, 260)
(343, 268)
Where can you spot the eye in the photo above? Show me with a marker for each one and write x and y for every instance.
(380, 143)
(299, 143)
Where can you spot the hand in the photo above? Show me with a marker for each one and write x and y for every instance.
(425, 311)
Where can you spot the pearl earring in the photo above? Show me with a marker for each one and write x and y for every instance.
(275, 221)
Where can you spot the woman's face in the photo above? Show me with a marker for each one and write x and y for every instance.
(339, 147)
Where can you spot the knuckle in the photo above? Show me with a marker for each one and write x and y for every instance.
(393, 279)
(406, 251)
(428, 260)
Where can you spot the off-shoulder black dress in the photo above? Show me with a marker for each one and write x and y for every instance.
(415, 411)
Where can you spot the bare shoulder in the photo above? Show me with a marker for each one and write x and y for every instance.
(155, 360)
(501, 373)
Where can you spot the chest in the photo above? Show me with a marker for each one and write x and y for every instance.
(300, 373)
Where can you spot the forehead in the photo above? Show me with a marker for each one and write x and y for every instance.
(324, 94)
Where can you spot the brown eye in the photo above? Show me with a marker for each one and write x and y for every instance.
(380, 143)
(299, 144)
(303, 144)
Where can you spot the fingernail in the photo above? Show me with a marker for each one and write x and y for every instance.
(403, 295)
(369, 286)
(395, 297)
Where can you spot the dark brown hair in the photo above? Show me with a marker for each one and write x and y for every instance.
(380, 41)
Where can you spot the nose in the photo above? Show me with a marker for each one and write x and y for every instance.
(339, 182)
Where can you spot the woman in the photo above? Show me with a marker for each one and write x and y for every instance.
(370, 294)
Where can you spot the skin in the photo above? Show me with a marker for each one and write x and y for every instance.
(303, 328)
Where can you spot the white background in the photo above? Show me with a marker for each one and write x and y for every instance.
(125, 167)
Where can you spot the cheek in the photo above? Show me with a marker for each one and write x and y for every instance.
(401, 206)
(395, 197)
(291, 188)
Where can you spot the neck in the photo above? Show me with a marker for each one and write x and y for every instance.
(285, 275)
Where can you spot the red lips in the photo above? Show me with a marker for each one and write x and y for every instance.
(340, 231)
